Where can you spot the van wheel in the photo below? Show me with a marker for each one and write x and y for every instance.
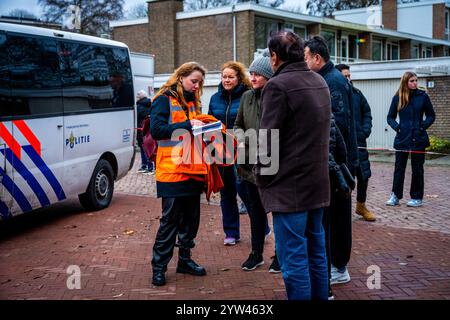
(100, 189)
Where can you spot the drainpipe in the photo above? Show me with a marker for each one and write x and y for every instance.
(234, 31)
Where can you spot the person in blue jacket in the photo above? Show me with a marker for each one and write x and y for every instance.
(224, 105)
(410, 104)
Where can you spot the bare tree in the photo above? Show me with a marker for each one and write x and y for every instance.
(95, 14)
(22, 13)
(137, 11)
(326, 7)
(190, 5)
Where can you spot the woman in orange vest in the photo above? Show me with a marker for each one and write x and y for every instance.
(174, 107)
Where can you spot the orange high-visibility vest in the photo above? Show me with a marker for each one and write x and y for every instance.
(175, 161)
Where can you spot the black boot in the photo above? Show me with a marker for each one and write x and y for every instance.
(187, 265)
(159, 278)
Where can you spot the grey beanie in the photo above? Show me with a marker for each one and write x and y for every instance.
(261, 65)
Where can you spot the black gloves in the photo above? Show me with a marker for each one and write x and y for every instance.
(339, 183)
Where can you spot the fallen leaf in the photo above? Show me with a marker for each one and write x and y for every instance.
(119, 295)
(225, 269)
(128, 232)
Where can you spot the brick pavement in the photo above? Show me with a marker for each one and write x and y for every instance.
(113, 249)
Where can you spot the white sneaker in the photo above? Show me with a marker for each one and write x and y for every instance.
(393, 200)
(414, 203)
(339, 277)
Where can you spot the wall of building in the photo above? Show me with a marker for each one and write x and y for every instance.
(135, 36)
(209, 40)
(163, 33)
(416, 20)
(440, 97)
(370, 15)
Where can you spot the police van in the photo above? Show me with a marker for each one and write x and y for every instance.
(67, 118)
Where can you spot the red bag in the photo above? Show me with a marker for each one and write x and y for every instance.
(149, 145)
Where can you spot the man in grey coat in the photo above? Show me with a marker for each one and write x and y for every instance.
(296, 109)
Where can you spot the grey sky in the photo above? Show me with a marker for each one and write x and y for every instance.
(32, 5)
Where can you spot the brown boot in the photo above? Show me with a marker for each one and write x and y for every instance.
(364, 212)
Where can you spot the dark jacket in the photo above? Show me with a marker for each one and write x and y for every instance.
(411, 131)
(143, 109)
(248, 117)
(341, 104)
(296, 101)
(336, 157)
(224, 106)
(161, 129)
(363, 122)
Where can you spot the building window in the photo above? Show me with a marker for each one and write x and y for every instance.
(330, 38)
(415, 52)
(263, 30)
(299, 30)
(377, 50)
(352, 47)
(392, 51)
(447, 24)
(427, 52)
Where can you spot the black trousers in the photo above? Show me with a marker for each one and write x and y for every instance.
(257, 215)
(340, 216)
(361, 187)
(180, 216)
(417, 180)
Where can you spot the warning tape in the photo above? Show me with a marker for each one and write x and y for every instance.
(407, 151)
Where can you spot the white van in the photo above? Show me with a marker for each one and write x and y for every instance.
(67, 118)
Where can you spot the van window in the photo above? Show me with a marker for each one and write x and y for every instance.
(95, 77)
(34, 76)
(5, 90)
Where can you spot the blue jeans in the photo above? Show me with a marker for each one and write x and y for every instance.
(300, 243)
(145, 162)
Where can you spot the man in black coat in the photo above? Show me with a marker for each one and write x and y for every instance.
(363, 121)
(317, 57)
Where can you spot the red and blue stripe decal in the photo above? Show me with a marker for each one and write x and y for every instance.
(13, 155)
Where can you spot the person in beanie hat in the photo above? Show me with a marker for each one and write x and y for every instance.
(248, 117)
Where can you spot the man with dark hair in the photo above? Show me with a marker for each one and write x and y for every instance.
(296, 106)
(317, 57)
(363, 122)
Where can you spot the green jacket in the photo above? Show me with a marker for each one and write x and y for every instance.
(248, 117)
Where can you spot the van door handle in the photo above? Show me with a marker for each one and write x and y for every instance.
(60, 126)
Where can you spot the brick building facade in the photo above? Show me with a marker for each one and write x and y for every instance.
(440, 97)
(206, 36)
